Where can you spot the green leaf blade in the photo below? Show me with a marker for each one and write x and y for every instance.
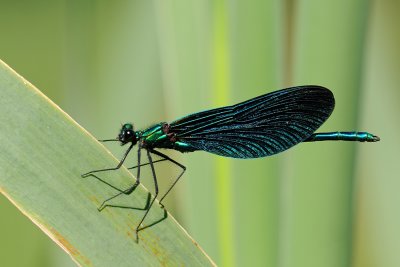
(44, 152)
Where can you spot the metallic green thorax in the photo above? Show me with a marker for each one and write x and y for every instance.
(156, 137)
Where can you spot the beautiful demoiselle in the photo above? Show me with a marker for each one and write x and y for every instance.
(259, 127)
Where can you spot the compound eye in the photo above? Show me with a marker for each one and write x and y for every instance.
(128, 134)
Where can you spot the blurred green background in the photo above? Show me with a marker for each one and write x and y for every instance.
(318, 204)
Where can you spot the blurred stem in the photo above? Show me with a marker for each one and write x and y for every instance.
(319, 210)
(223, 170)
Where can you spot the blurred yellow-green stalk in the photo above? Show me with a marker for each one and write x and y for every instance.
(318, 204)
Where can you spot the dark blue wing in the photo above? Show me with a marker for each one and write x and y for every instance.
(258, 127)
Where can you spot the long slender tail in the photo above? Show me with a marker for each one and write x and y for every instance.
(343, 136)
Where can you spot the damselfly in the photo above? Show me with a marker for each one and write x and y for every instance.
(259, 127)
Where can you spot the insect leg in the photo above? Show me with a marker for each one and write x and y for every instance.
(176, 180)
(111, 169)
(130, 189)
(138, 228)
(144, 164)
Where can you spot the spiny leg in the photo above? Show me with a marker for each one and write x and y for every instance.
(176, 180)
(138, 228)
(130, 189)
(111, 169)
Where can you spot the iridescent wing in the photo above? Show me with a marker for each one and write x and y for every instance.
(258, 127)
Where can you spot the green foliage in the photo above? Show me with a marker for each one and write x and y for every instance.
(111, 62)
(44, 152)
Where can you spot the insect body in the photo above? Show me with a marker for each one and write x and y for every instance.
(160, 136)
(259, 127)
